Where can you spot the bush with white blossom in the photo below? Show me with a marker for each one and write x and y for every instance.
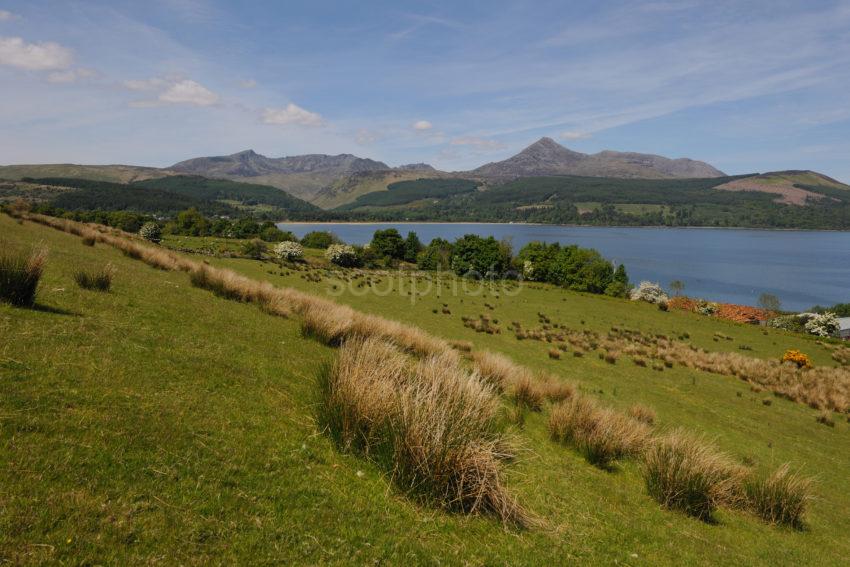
(151, 232)
(822, 324)
(649, 292)
(290, 251)
(342, 255)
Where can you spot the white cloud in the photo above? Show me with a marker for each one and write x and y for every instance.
(47, 56)
(481, 143)
(173, 90)
(248, 83)
(6, 16)
(422, 125)
(575, 135)
(71, 75)
(291, 115)
(188, 92)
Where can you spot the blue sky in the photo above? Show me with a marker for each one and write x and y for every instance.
(747, 86)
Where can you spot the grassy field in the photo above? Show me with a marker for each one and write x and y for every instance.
(159, 423)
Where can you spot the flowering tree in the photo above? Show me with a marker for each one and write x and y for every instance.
(342, 255)
(649, 292)
(290, 251)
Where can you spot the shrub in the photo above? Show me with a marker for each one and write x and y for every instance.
(707, 308)
(151, 232)
(780, 498)
(802, 360)
(342, 255)
(100, 280)
(602, 435)
(822, 325)
(430, 424)
(20, 274)
(684, 473)
(290, 251)
(254, 248)
(319, 239)
(649, 292)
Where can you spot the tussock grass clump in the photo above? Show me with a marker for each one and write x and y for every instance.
(461, 346)
(431, 424)
(554, 353)
(88, 241)
(602, 435)
(683, 472)
(780, 498)
(642, 413)
(498, 370)
(528, 393)
(20, 274)
(98, 280)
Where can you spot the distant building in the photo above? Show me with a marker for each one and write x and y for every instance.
(844, 328)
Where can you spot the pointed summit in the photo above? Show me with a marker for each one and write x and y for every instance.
(543, 157)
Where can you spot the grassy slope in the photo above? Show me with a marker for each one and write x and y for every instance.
(113, 173)
(160, 422)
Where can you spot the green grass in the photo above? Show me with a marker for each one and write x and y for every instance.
(161, 423)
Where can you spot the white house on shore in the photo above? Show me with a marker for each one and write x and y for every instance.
(844, 328)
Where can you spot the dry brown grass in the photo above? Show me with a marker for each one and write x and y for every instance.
(602, 435)
(498, 370)
(430, 424)
(686, 473)
(642, 413)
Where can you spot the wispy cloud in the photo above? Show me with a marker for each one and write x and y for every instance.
(6, 15)
(479, 143)
(422, 125)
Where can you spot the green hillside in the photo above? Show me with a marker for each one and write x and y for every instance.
(159, 422)
(103, 195)
(743, 201)
(406, 192)
(112, 173)
(247, 194)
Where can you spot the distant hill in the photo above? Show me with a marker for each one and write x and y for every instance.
(416, 167)
(791, 187)
(303, 176)
(113, 173)
(547, 157)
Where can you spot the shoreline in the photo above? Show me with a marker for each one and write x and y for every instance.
(654, 227)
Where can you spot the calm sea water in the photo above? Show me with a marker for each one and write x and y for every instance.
(802, 268)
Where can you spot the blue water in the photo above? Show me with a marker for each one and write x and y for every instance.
(802, 268)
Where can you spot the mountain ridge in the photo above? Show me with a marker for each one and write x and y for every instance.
(548, 157)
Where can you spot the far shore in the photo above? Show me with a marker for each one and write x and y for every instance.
(330, 223)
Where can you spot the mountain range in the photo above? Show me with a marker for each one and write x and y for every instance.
(331, 181)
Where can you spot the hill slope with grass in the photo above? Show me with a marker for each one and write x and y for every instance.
(138, 426)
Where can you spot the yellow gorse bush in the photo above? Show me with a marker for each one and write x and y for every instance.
(802, 360)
